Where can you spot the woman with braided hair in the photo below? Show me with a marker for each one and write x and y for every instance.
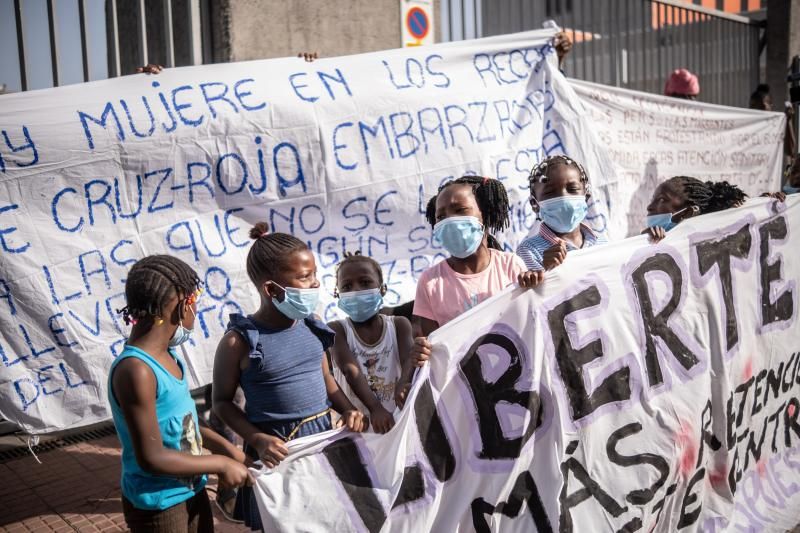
(163, 473)
(463, 213)
(559, 193)
(277, 356)
(682, 197)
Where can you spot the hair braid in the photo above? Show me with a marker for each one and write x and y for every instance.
(356, 257)
(490, 195)
(152, 282)
(709, 196)
(539, 173)
(269, 252)
(724, 195)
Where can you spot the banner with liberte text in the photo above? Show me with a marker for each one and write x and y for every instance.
(642, 387)
(344, 153)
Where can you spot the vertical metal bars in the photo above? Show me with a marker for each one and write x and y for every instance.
(51, 26)
(632, 43)
(168, 35)
(84, 39)
(113, 40)
(23, 67)
(142, 32)
(195, 33)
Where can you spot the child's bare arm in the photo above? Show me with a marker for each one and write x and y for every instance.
(344, 359)
(420, 347)
(134, 386)
(230, 351)
(423, 327)
(405, 340)
(216, 443)
(352, 417)
(232, 348)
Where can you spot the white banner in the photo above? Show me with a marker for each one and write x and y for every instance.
(343, 153)
(641, 388)
(651, 138)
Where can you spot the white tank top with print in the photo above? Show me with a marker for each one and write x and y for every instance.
(379, 362)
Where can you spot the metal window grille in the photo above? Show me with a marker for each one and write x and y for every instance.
(134, 32)
(631, 43)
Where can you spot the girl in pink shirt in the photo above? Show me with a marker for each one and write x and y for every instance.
(462, 213)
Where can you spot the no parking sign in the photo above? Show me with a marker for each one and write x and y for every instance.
(416, 21)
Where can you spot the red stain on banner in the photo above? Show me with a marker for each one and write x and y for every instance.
(761, 466)
(747, 373)
(685, 440)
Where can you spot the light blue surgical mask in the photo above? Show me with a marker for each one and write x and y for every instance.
(563, 214)
(460, 236)
(788, 189)
(297, 304)
(360, 306)
(181, 334)
(664, 220)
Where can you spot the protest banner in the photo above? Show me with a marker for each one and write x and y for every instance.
(343, 153)
(651, 138)
(642, 387)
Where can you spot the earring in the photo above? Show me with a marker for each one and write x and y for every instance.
(159, 321)
(534, 204)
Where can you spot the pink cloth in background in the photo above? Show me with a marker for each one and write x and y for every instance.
(682, 82)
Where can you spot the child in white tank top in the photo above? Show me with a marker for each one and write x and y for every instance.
(369, 347)
(380, 363)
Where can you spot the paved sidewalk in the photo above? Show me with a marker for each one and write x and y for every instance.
(76, 488)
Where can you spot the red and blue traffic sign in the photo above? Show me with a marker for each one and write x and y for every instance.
(418, 23)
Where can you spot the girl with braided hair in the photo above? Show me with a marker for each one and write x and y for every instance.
(369, 347)
(559, 194)
(277, 356)
(462, 214)
(682, 197)
(163, 473)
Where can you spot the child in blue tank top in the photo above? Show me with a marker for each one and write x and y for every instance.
(277, 356)
(163, 471)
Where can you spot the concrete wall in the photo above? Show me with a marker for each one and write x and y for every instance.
(260, 29)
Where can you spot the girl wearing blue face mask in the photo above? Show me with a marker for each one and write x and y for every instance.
(369, 345)
(277, 356)
(682, 197)
(559, 193)
(462, 214)
(163, 473)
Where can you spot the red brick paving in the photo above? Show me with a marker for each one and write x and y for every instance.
(76, 488)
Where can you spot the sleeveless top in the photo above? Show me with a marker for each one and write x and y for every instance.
(177, 421)
(379, 362)
(283, 380)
